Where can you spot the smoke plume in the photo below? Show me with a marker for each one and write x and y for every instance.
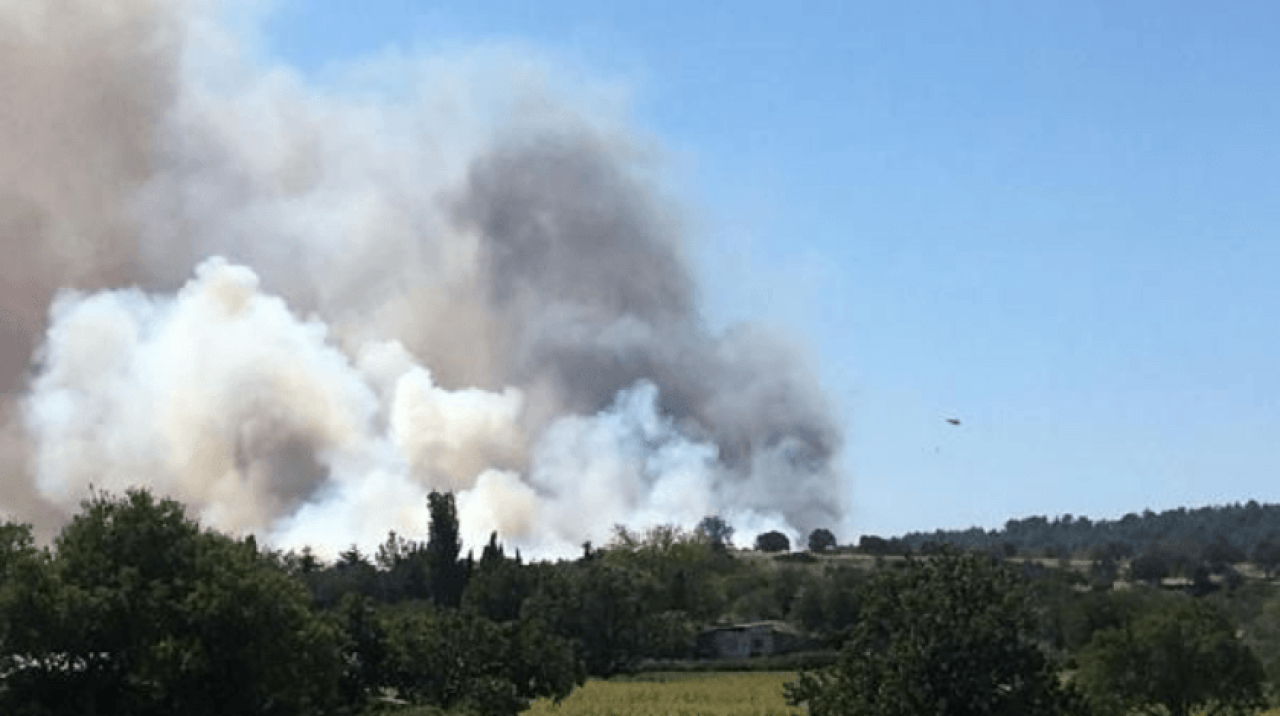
(299, 307)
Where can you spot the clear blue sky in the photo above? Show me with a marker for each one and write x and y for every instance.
(1056, 222)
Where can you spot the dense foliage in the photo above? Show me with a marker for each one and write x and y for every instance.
(454, 658)
(773, 542)
(821, 540)
(136, 609)
(1183, 656)
(948, 636)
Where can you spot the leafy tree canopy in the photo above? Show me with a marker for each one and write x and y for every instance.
(716, 530)
(821, 540)
(772, 542)
(454, 659)
(1182, 657)
(139, 611)
(603, 604)
(950, 636)
(1267, 556)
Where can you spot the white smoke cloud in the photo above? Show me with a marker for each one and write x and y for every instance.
(218, 396)
(442, 271)
(222, 397)
(454, 434)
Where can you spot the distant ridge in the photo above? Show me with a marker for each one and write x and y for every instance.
(1237, 528)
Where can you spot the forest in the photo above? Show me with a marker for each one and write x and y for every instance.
(135, 608)
(1229, 533)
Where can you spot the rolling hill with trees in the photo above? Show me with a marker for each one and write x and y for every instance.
(1217, 535)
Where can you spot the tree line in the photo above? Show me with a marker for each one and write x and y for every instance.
(1174, 542)
(137, 609)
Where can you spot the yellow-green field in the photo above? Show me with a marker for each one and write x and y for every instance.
(740, 694)
(713, 694)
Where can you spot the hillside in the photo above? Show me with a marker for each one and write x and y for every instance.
(1217, 534)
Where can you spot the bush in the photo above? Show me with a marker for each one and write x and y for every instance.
(796, 558)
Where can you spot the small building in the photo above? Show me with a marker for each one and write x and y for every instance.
(1182, 583)
(743, 641)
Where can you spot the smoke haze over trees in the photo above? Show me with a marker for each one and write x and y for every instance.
(301, 308)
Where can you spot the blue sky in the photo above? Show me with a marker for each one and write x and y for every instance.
(1056, 222)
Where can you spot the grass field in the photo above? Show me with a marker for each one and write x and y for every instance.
(713, 694)
(672, 694)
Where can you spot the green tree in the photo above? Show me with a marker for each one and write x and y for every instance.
(144, 613)
(871, 544)
(493, 553)
(1151, 566)
(821, 540)
(950, 636)
(1221, 554)
(827, 605)
(368, 649)
(772, 542)
(447, 575)
(603, 604)
(716, 530)
(499, 586)
(1181, 658)
(455, 659)
(358, 574)
(28, 595)
(683, 566)
(1266, 554)
(1081, 617)
(668, 635)
(402, 569)
(1261, 625)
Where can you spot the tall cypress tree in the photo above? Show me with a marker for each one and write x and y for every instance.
(493, 555)
(447, 574)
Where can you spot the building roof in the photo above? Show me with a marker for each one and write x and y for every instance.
(770, 624)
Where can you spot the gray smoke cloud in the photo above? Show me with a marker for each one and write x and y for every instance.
(300, 307)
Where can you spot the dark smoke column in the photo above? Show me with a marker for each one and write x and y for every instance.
(585, 267)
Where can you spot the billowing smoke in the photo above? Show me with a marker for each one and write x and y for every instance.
(300, 307)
